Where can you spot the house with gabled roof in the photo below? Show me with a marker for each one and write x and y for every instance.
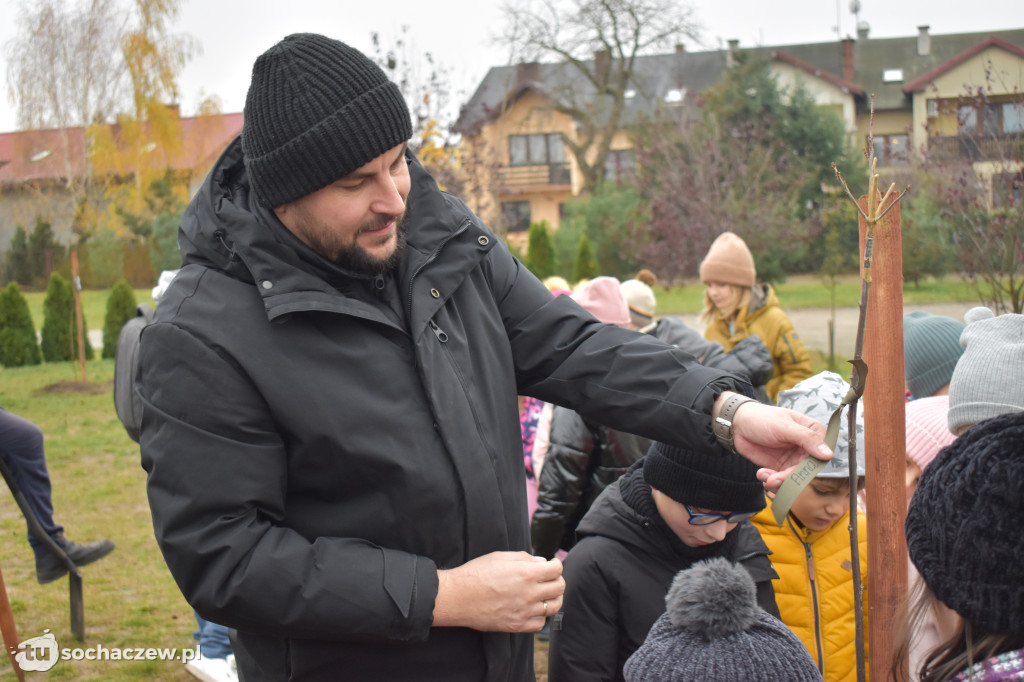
(916, 86)
(37, 167)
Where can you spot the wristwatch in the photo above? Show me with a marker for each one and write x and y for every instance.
(722, 425)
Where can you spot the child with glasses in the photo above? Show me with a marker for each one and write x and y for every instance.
(811, 550)
(670, 510)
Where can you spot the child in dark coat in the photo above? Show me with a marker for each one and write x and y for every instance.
(673, 508)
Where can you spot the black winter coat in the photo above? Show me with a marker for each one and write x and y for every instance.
(582, 460)
(318, 444)
(617, 575)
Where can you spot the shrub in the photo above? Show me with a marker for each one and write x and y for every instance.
(121, 306)
(58, 341)
(541, 252)
(60, 331)
(585, 266)
(18, 345)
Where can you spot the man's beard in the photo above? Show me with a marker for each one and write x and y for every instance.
(355, 259)
(352, 257)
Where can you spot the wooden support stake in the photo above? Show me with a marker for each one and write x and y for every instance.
(884, 437)
(10, 632)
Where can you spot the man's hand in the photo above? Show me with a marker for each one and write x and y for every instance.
(499, 592)
(775, 438)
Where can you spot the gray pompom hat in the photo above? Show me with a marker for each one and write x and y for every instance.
(714, 631)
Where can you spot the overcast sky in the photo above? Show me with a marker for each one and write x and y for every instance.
(460, 33)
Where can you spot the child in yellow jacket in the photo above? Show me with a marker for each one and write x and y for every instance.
(736, 307)
(811, 550)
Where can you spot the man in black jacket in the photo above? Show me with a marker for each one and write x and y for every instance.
(330, 388)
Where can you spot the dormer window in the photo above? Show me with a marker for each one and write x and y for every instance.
(892, 76)
(39, 156)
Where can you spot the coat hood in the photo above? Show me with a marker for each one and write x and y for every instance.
(225, 228)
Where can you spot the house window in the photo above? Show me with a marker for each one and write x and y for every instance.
(619, 165)
(540, 149)
(1008, 189)
(891, 149)
(992, 119)
(1013, 118)
(515, 215)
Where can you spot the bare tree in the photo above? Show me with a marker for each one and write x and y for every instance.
(598, 43)
(975, 179)
(65, 67)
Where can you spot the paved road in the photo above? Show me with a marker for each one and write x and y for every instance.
(812, 324)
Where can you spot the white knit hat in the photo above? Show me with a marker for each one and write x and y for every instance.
(641, 300)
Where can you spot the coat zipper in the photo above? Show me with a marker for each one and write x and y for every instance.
(431, 258)
(812, 574)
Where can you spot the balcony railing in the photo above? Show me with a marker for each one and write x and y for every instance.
(547, 176)
(973, 148)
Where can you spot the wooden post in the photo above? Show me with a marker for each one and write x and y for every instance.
(76, 288)
(885, 439)
(10, 632)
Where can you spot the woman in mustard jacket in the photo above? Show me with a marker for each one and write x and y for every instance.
(736, 307)
(811, 550)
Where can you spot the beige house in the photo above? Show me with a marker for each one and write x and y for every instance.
(513, 138)
(37, 167)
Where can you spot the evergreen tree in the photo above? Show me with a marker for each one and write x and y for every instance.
(541, 252)
(18, 345)
(121, 306)
(18, 267)
(58, 342)
(585, 266)
(43, 250)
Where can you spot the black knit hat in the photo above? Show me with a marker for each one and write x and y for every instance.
(964, 524)
(717, 480)
(316, 110)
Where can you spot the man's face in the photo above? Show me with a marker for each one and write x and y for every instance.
(356, 221)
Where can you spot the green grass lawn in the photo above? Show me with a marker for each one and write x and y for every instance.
(809, 291)
(98, 491)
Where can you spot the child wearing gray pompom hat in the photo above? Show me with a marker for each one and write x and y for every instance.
(989, 377)
(714, 631)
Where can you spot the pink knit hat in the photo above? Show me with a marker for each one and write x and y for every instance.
(927, 429)
(603, 299)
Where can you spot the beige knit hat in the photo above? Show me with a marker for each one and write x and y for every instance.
(729, 261)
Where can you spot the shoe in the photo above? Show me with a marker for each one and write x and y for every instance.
(49, 567)
(213, 669)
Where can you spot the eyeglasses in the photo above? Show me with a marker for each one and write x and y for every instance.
(702, 519)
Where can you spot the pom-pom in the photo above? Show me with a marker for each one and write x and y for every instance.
(712, 599)
(978, 313)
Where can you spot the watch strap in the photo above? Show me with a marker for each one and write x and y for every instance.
(722, 424)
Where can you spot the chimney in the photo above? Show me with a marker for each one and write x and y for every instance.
(862, 30)
(602, 60)
(848, 63)
(730, 56)
(527, 74)
(924, 42)
(680, 48)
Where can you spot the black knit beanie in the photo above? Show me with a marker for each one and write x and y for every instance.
(719, 480)
(964, 524)
(316, 110)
